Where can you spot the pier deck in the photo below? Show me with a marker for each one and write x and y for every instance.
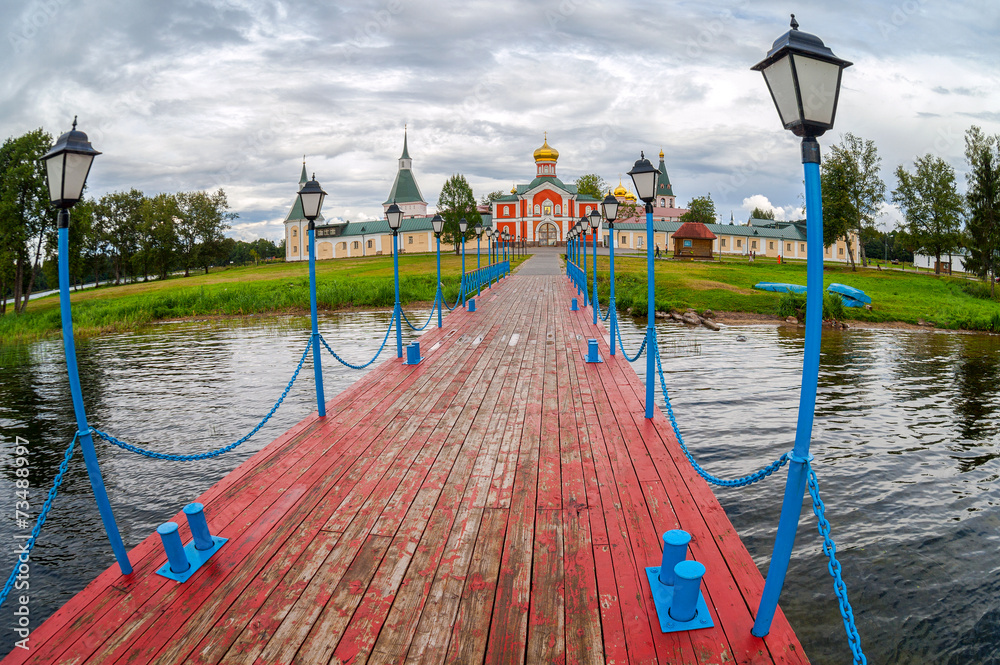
(496, 503)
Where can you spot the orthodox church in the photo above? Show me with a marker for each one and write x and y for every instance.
(546, 208)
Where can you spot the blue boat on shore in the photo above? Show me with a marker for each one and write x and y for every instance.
(780, 287)
(851, 296)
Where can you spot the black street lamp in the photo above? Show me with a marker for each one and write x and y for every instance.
(311, 198)
(394, 216)
(609, 206)
(644, 177)
(67, 165)
(803, 77)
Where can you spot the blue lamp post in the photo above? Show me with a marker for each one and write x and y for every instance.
(803, 77)
(463, 226)
(437, 223)
(644, 176)
(311, 198)
(394, 216)
(595, 224)
(583, 237)
(479, 265)
(67, 165)
(609, 206)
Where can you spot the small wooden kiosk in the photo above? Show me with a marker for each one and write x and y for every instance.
(693, 240)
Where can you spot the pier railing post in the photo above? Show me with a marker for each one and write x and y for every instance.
(644, 176)
(791, 507)
(317, 357)
(394, 216)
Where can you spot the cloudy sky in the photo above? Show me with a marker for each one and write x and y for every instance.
(202, 94)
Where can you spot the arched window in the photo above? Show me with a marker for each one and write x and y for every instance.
(355, 245)
(663, 203)
(538, 209)
(371, 244)
(548, 208)
(295, 233)
(558, 209)
(506, 211)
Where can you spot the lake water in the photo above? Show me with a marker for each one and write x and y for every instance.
(906, 446)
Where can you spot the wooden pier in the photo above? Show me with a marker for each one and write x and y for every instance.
(496, 503)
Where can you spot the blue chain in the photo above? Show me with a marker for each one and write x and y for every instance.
(377, 354)
(219, 451)
(830, 549)
(461, 292)
(604, 317)
(736, 482)
(40, 521)
(413, 327)
(621, 345)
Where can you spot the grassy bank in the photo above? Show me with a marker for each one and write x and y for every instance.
(268, 289)
(947, 302)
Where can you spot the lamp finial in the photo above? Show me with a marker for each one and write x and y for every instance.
(74, 123)
(794, 23)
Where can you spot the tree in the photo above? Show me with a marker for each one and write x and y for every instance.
(158, 235)
(931, 205)
(700, 209)
(762, 214)
(982, 236)
(593, 185)
(25, 216)
(456, 201)
(118, 216)
(491, 197)
(853, 190)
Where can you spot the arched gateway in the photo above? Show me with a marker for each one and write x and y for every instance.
(547, 234)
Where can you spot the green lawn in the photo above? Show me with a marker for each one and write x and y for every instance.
(270, 288)
(947, 302)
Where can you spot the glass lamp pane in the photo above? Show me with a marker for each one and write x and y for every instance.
(818, 87)
(311, 204)
(611, 209)
(781, 83)
(77, 168)
(54, 168)
(645, 183)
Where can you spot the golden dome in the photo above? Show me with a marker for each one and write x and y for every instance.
(630, 197)
(661, 154)
(546, 153)
(513, 189)
(620, 190)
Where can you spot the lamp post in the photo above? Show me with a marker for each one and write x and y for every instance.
(463, 226)
(803, 77)
(67, 165)
(644, 176)
(394, 216)
(595, 223)
(582, 224)
(362, 241)
(311, 199)
(609, 206)
(491, 235)
(479, 276)
(437, 223)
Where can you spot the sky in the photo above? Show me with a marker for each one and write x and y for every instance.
(206, 94)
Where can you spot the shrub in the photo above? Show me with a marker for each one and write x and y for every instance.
(794, 304)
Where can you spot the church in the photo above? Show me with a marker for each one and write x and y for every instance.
(545, 209)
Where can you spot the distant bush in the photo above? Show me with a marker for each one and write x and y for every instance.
(977, 290)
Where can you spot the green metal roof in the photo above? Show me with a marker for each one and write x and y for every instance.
(787, 233)
(408, 225)
(663, 187)
(406, 153)
(404, 189)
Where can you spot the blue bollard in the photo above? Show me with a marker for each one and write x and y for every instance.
(675, 545)
(176, 557)
(472, 304)
(413, 353)
(195, 513)
(687, 590)
(574, 307)
(593, 356)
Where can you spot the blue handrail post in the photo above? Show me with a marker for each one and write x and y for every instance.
(611, 300)
(439, 297)
(317, 359)
(583, 241)
(76, 393)
(651, 348)
(465, 296)
(791, 506)
(594, 299)
(398, 308)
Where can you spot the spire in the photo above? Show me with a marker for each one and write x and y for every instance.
(663, 187)
(304, 178)
(406, 153)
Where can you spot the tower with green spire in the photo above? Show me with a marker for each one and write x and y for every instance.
(405, 192)
(296, 225)
(664, 192)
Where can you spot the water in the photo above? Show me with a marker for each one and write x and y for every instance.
(906, 446)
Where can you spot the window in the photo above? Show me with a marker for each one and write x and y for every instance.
(723, 241)
(409, 241)
(506, 211)
(370, 244)
(802, 247)
(295, 249)
(639, 241)
(663, 203)
(788, 247)
(770, 245)
(687, 243)
(295, 233)
(558, 209)
(739, 242)
(841, 251)
(753, 244)
(624, 241)
(548, 208)
(343, 245)
(355, 245)
(538, 209)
